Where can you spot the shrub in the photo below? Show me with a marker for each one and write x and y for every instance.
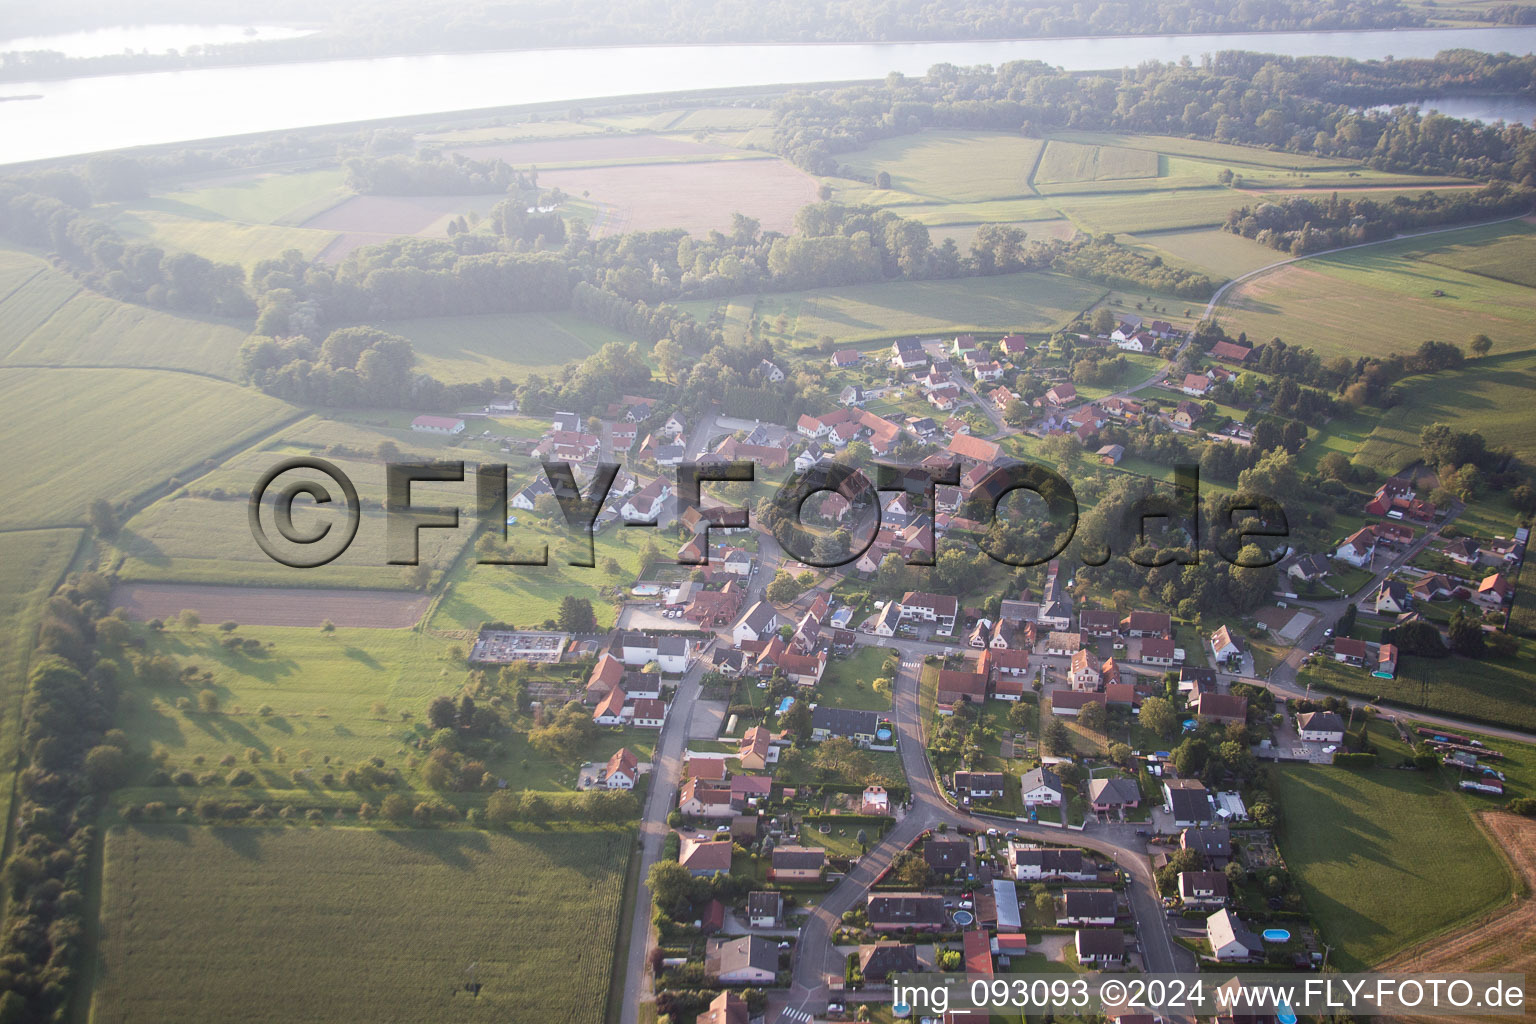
(240, 777)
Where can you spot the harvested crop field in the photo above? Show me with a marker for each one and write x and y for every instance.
(600, 149)
(369, 220)
(273, 606)
(314, 924)
(697, 197)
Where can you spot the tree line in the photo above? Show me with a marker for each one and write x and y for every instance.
(1285, 103)
(1300, 224)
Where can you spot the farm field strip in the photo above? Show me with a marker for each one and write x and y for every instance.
(195, 419)
(272, 606)
(275, 915)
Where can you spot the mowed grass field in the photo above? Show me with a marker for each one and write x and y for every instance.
(955, 166)
(237, 218)
(1025, 302)
(74, 435)
(346, 696)
(1211, 250)
(1496, 690)
(1384, 858)
(1072, 161)
(1488, 395)
(1381, 299)
(32, 562)
(315, 924)
(52, 321)
(513, 345)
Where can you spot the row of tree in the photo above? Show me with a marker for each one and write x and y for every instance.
(1287, 103)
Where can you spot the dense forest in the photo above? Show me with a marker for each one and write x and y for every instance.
(409, 26)
(1253, 99)
(1299, 224)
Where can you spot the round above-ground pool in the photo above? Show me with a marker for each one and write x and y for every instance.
(964, 917)
(1276, 935)
(1190, 725)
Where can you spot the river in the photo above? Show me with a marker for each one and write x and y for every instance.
(85, 115)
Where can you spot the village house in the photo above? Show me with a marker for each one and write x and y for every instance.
(1048, 863)
(1307, 568)
(1040, 787)
(949, 857)
(1196, 384)
(1320, 727)
(939, 609)
(645, 505)
(1084, 674)
(978, 785)
(1187, 414)
(1231, 939)
(622, 770)
(765, 909)
(908, 354)
(1230, 352)
(1223, 708)
(705, 857)
(878, 961)
(796, 863)
(1088, 907)
(1225, 648)
(748, 960)
(760, 622)
(1358, 549)
(844, 723)
(1203, 888)
(957, 686)
(700, 799)
(1061, 395)
(1116, 794)
(846, 357)
(1392, 598)
(1099, 947)
(900, 911)
(1493, 592)
(1188, 802)
(1350, 651)
(756, 750)
(1161, 653)
(1215, 843)
(449, 425)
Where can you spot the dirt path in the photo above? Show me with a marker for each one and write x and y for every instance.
(1505, 939)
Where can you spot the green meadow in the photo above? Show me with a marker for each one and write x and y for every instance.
(1372, 850)
(513, 345)
(317, 924)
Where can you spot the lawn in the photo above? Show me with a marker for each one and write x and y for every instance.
(471, 348)
(313, 924)
(32, 562)
(1384, 858)
(1497, 691)
(952, 165)
(1357, 302)
(1151, 209)
(116, 434)
(1506, 252)
(1022, 302)
(846, 683)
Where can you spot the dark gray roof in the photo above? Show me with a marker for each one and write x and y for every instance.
(1091, 903)
(1101, 941)
(844, 721)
